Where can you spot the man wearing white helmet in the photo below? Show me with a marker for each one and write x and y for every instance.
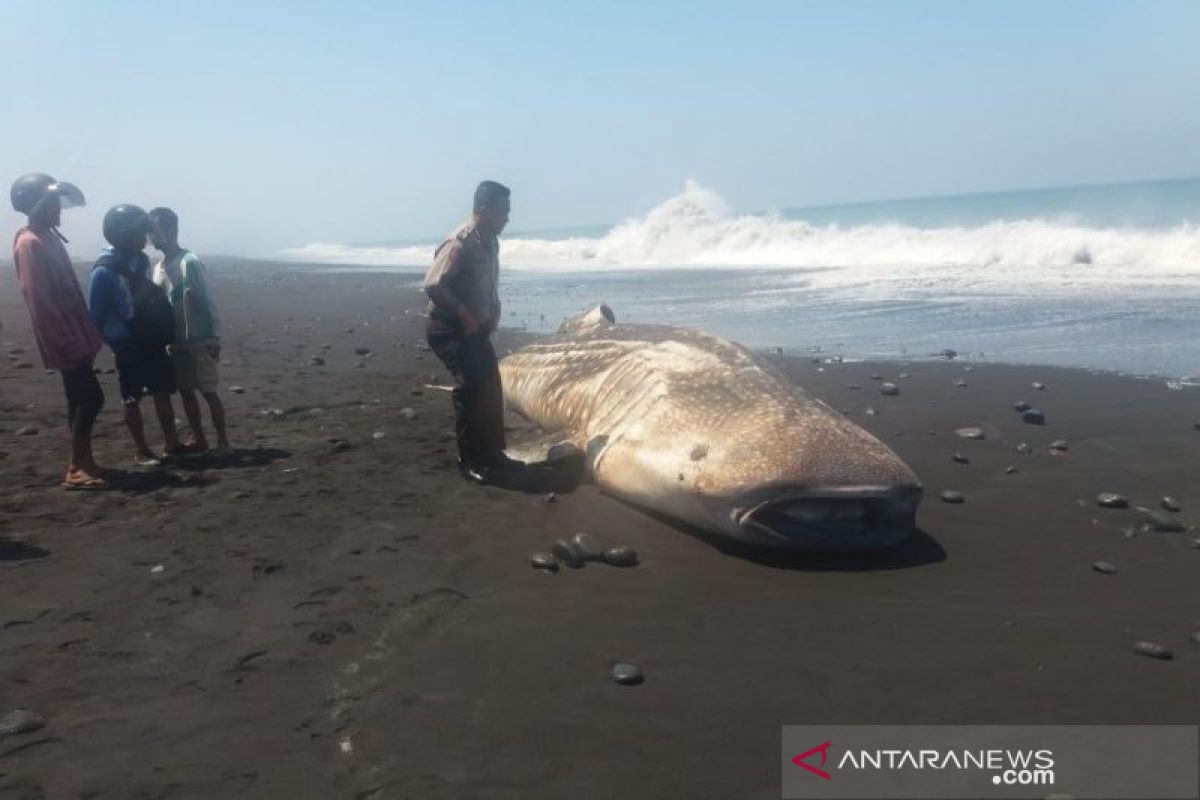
(66, 338)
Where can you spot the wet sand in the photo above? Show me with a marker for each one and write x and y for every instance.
(354, 620)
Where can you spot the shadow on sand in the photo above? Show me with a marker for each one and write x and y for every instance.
(237, 459)
(11, 550)
(146, 482)
(918, 550)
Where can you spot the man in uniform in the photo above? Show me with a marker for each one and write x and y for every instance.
(464, 311)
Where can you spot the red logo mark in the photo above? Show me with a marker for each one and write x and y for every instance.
(823, 749)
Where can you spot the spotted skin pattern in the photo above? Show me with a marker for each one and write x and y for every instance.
(691, 425)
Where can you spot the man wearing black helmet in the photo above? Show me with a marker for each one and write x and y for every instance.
(135, 318)
(65, 335)
(464, 311)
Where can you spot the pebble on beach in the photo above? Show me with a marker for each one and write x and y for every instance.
(627, 674)
(1059, 445)
(544, 561)
(236, 389)
(1170, 503)
(1152, 650)
(1111, 500)
(971, 433)
(591, 548)
(1021, 405)
(1041, 387)
(950, 496)
(19, 721)
(26, 430)
(1033, 417)
(889, 389)
(1160, 522)
(567, 553)
(1024, 448)
(621, 557)
(961, 459)
(1105, 568)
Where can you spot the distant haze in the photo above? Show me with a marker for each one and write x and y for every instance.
(275, 125)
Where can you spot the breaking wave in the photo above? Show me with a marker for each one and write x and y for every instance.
(696, 229)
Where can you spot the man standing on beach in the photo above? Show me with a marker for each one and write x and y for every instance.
(197, 350)
(65, 335)
(463, 289)
(136, 321)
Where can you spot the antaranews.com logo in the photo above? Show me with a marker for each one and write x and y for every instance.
(1008, 767)
(896, 762)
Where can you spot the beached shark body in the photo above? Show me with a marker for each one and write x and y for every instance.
(702, 430)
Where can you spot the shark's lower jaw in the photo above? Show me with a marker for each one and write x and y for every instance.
(842, 520)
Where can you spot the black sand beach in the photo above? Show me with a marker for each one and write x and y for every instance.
(339, 614)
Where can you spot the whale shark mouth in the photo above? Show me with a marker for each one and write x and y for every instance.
(831, 520)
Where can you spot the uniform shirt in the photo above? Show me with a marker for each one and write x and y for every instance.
(466, 272)
(65, 335)
(184, 281)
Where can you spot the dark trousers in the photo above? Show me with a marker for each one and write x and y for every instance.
(478, 395)
(85, 398)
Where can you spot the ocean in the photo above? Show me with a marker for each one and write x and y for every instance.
(1098, 277)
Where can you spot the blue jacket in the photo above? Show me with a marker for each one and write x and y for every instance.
(109, 302)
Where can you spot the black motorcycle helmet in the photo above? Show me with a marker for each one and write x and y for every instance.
(28, 192)
(126, 227)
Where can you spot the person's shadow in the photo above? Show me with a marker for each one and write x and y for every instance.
(235, 459)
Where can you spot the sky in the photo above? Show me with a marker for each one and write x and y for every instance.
(269, 125)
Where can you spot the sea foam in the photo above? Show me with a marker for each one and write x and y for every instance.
(696, 229)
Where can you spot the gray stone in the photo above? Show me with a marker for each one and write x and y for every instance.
(408, 414)
(1170, 503)
(961, 459)
(1196, 637)
(544, 561)
(1010, 470)
(1041, 387)
(1105, 568)
(627, 674)
(1021, 405)
(870, 411)
(567, 553)
(1033, 417)
(317, 361)
(1023, 447)
(1162, 523)
(621, 557)
(855, 386)
(237, 389)
(589, 546)
(1152, 650)
(1060, 445)
(950, 496)
(960, 383)
(362, 351)
(889, 389)
(971, 433)
(26, 430)
(551, 497)
(19, 721)
(876, 377)
(1111, 500)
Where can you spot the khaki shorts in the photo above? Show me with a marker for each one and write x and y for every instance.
(195, 368)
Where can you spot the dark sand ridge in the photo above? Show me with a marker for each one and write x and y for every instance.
(360, 622)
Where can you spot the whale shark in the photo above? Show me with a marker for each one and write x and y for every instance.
(706, 432)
